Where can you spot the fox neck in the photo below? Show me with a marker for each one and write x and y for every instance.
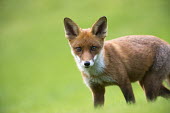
(96, 69)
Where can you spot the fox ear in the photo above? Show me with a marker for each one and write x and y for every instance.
(100, 27)
(71, 29)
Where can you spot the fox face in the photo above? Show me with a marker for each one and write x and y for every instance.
(85, 48)
(86, 44)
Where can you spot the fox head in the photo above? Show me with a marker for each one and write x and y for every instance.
(86, 44)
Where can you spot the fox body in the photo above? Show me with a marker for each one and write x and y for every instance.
(119, 61)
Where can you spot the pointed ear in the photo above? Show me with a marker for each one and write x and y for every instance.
(100, 27)
(71, 29)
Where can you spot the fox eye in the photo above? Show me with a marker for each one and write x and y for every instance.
(78, 49)
(93, 48)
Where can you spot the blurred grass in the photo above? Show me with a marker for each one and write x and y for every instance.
(37, 71)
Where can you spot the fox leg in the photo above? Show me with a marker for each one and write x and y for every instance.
(164, 92)
(151, 84)
(98, 92)
(127, 91)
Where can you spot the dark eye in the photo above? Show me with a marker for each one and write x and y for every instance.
(78, 49)
(93, 48)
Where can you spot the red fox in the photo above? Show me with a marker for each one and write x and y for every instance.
(120, 61)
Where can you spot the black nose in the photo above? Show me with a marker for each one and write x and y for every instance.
(87, 63)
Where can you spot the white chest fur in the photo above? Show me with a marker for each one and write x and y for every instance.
(104, 80)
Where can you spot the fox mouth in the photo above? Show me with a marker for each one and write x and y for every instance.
(87, 66)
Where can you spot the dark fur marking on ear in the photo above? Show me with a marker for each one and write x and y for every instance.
(70, 29)
(101, 29)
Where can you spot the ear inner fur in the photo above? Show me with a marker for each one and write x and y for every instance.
(71, 28)
(100, 27)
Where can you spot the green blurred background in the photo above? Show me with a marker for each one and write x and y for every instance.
(37, 71)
